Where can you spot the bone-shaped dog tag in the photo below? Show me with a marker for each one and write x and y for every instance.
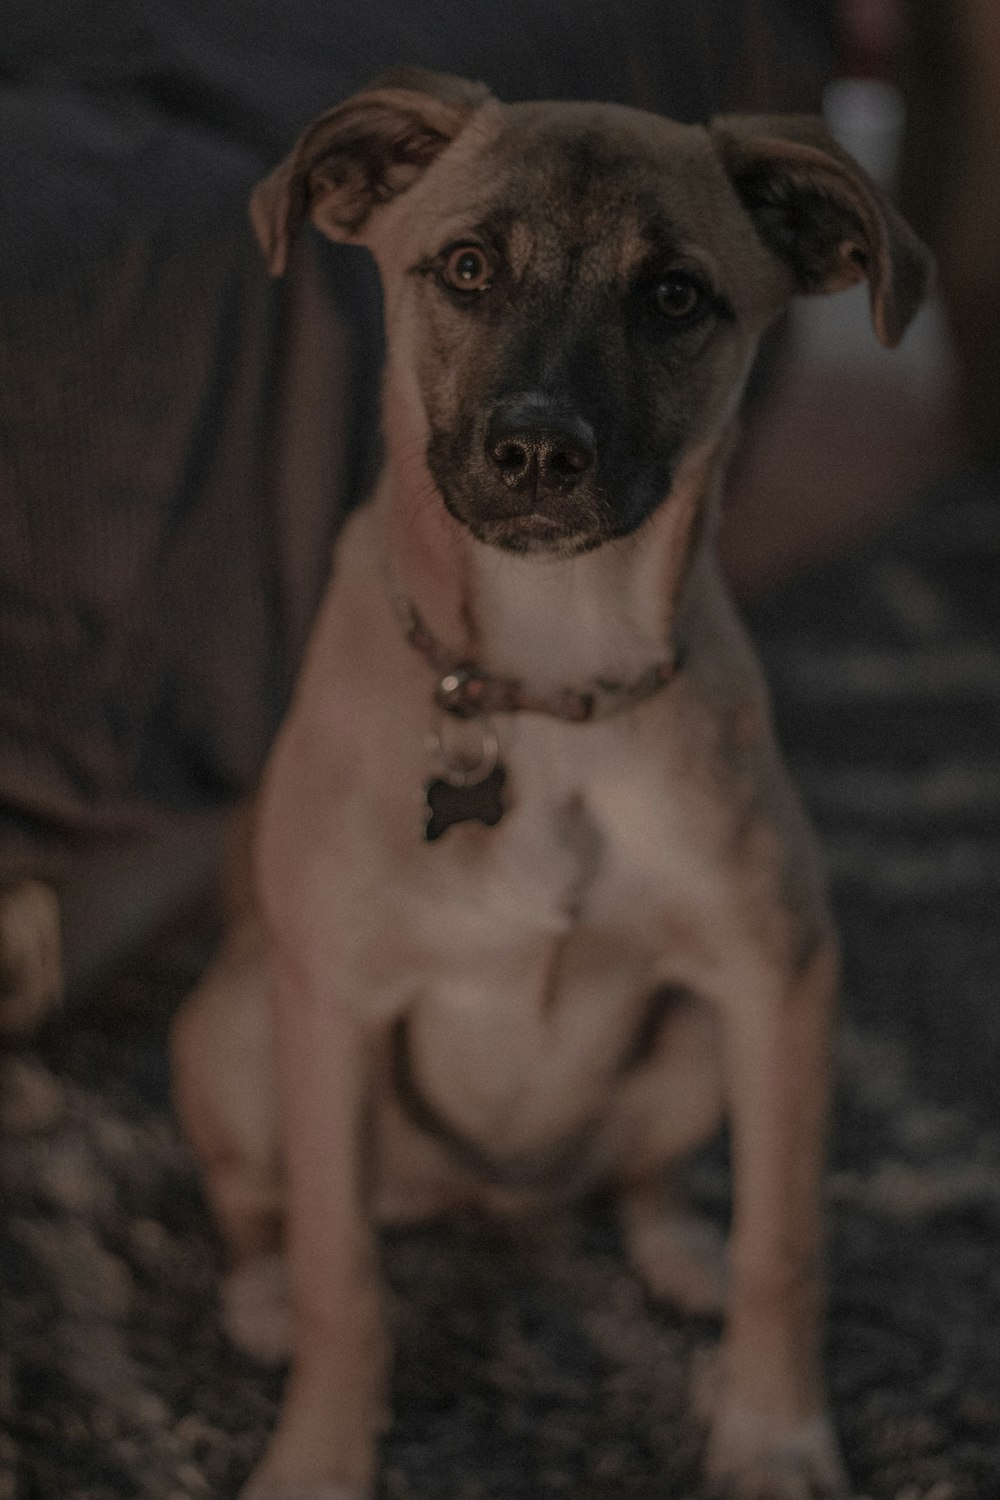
(447, 804)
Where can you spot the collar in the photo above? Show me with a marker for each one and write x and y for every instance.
(466, 691)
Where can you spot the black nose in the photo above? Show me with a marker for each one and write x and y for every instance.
(534, 447)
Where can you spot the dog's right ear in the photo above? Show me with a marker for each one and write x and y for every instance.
(360, 154)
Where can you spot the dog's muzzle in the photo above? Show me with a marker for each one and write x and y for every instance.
(540, 478)
(539, 454)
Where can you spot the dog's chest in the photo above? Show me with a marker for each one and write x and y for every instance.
(542, 937)
(590, 837)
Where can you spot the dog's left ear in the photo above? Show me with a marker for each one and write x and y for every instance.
(360, 154)
(815, 207)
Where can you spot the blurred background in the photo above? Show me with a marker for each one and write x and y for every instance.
(179, 441)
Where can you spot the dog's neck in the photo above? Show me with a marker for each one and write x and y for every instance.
(607, 615)
(565, 623)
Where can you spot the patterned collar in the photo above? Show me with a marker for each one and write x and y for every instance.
(468, 692)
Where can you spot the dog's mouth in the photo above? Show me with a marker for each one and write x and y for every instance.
(531, 532)
(579, 525)
(542, 538)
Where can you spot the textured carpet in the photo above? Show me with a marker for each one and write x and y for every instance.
(531, 1365)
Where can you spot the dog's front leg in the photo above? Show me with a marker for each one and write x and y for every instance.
(323, 1447)
(770, 1434)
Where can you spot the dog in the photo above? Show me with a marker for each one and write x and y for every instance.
(536, 904)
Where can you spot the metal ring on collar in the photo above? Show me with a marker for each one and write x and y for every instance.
(461, 765)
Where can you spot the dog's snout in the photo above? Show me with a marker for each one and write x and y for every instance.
(537, 449)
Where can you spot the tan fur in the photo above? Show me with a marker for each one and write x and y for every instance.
(502, 982)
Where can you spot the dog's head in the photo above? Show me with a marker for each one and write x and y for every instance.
(574, 292)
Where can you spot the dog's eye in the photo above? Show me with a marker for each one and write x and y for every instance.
(679, 296)
(466, 269)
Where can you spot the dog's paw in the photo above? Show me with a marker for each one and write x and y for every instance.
(679, 1256)
(256, 1310)
(749, 1457)
(31, 980)
(268, 1486)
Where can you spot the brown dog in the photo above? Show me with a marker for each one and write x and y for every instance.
(501, 953)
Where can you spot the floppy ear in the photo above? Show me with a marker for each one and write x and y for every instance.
(813, 206)
(360, 154)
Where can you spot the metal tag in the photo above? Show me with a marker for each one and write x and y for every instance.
(479, 803)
